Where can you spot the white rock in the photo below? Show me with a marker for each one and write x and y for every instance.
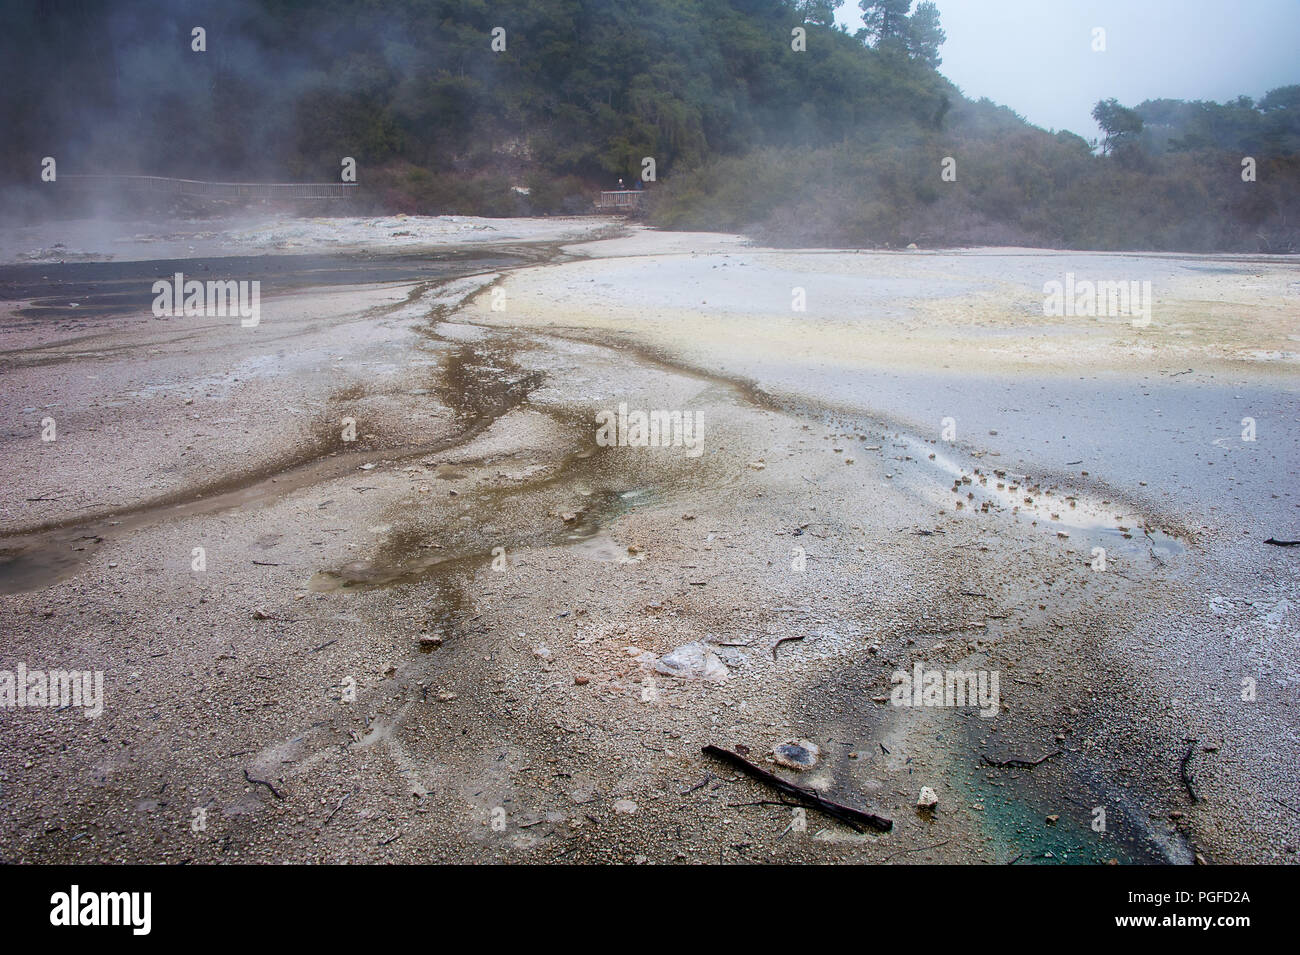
(928, 799)
(694, 661)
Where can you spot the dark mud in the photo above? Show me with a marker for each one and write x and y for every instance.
(119, 288)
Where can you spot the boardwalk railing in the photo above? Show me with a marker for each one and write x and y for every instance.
(620, 200)
(160, 185)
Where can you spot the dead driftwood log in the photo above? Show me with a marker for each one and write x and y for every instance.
(855, 819)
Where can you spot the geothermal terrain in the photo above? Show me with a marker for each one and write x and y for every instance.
(435, 619)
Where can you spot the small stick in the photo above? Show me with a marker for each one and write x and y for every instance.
(1185, 775)
(330, 817)
(262, 782)
(708, 778)
(1278, 543)
(1020, 763)
(784, 640)
(851, 817)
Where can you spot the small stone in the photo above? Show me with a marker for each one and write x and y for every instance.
(543, 653)
(928, 800)
(568, 517)
(446, 696)
(626, 806)
(581, 680)
(797, 754)
(1053, 819)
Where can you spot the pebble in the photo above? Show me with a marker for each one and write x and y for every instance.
(797, 754)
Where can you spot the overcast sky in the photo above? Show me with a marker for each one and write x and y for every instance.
(1036, 56)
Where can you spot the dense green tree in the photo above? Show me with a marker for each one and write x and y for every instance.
(1120, 124)
(924, 35)
(820, 12)
(884, 23)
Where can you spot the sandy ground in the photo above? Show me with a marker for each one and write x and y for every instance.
(445, 640)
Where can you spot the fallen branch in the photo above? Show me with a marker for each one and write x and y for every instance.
(853, 818)
(330, 817)
(1019, 763)
(1278, 543)
(1184, 775)
(262, 782)
(784, 640)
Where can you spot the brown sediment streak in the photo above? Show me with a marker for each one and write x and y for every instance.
(403, 558)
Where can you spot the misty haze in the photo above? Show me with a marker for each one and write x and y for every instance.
(673, 431)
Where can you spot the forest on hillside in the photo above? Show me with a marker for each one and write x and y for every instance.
(761, 116)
